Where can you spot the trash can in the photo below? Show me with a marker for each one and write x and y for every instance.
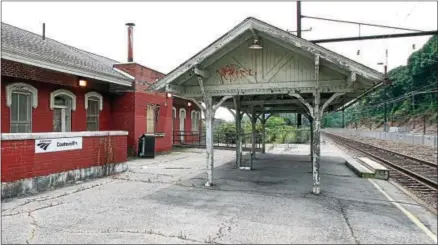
(146, 146)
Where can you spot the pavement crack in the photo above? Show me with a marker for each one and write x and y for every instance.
(223, 228)
(344, 215)
(180, 235)
(35, 226)
(53, 204)
(46, 198)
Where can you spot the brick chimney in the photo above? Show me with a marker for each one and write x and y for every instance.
(130, 41)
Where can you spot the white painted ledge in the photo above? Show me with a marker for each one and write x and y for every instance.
(53, 135)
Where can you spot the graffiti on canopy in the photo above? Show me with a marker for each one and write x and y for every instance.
(232, 72)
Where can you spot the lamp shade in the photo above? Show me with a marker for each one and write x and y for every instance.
(256, 44)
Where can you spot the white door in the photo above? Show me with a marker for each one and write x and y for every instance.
(182, 117)
(173, 123)
(60, 119)
(62, 114)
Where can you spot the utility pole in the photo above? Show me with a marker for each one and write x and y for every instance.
(298, 18)
(386, 86)
(299, 35)
(385, 83)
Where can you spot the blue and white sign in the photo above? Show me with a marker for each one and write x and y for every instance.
(59, 144)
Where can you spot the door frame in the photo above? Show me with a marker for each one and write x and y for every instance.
(63, 122)
(182, 123)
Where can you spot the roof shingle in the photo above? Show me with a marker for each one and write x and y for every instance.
(31, 45)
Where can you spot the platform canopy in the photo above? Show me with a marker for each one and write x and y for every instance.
(264, 69)
(285, 65)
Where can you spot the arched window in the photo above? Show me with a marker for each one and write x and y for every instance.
(93, 105)
(182, 113)
(21, 97)
(174, 112)
(195, 116)
(62, 102)
(182, 117)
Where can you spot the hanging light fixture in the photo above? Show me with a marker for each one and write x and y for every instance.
(256, 44)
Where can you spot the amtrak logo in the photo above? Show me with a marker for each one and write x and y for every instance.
(44, 145)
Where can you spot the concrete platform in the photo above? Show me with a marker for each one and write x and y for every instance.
(164, 200)
(380, 171)
(358, 168)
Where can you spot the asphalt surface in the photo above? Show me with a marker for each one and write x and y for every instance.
(164, 200)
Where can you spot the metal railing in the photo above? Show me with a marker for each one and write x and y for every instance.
(188, 138)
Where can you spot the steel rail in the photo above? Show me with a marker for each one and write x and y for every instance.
(418, 177)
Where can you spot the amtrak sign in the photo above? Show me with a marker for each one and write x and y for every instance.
(59, 144)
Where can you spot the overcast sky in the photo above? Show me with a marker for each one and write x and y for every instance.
(168, 33)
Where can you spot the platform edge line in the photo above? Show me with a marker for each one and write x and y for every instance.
(412, 217)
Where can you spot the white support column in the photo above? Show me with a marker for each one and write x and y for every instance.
(253, 135)
(209, 115)
(238, 132)
(311, 140)
(316, 132)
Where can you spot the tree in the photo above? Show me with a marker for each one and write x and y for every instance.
(419, 75)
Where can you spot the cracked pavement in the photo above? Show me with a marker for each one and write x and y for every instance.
(164, 200)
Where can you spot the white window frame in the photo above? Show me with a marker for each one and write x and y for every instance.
(195, 117)
(22, 88)
(62, 92)
(94, 94)
(182, 123)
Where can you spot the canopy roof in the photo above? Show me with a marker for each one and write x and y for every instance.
(286, 64)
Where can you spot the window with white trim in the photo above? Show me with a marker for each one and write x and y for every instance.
(93, 105)
(62, 102)
(182, 119)
(20, 98)
(195, 116)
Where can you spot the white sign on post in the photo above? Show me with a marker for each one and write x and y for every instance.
(59, 144)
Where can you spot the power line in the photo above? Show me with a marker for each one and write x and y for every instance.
(403, 96)
(346, 39)
(359, 23)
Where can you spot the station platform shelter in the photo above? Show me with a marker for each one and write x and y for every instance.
(259, 69)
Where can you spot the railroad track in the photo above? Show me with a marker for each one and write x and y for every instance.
(417, 175)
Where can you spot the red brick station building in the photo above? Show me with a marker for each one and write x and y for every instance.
(69, 115)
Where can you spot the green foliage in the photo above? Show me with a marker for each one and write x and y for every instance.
(402, 96)
(278, 130)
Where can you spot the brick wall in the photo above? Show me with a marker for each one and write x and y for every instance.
(144, 76)
(19, 160)
(42, 116)
(122, 114)
(121, 111)
(164, 124)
